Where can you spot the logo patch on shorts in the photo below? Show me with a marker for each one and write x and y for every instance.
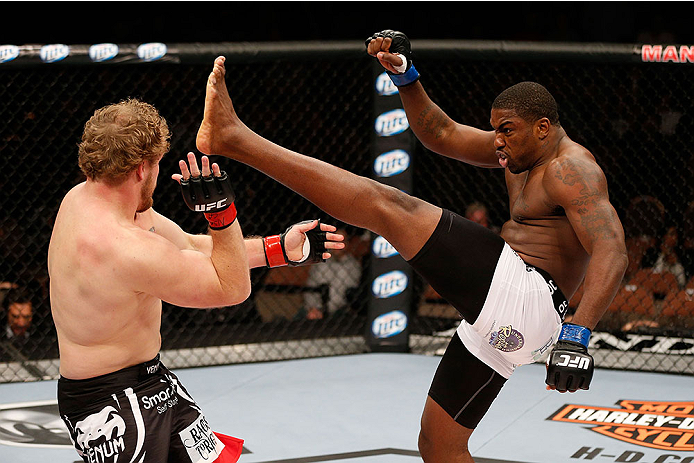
(506, 339)
(200, 442)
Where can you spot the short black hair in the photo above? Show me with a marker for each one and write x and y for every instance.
(530, 100)
(17, 295)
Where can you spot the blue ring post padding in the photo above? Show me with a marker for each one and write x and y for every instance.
(575, 333)
(405, 79)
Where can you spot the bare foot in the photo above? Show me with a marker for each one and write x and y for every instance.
(219, 119)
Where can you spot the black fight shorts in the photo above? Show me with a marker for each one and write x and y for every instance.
(139, 414)
(463, 385)
(458, 261)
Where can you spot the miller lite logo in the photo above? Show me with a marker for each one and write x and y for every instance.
(382, 249)
(151, 51)
(385, 86)
(391, 163)
(653, 424)
(391, 123)
(53, 53)
(8, 53)
(103, 52)
(389, 324)
(389, 284)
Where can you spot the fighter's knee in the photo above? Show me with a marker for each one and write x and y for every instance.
(425, 446)
(435, 449)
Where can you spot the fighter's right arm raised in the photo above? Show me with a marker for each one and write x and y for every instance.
(187, 277)
(432, 126)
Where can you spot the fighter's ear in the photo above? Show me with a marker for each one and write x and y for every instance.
(140, 171)
(542, 127)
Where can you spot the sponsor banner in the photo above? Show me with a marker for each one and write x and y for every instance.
(667, 53)
(95, 54)
(659, 425)
(391, 295)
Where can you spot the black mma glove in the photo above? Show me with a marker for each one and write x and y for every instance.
(212, 195)
(314, 247)
(569, 365)
(400, 45)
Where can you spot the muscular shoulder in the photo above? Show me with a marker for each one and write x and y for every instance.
(574, 176)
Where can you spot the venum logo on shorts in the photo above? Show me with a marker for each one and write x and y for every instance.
(54, 52)
(391, 163)
(8, 53)
(391, 123)
(151, 51)
(389, 324)
(506, 339)
(200, 441)
(389, 284)
(659, 425)
(100, 435)
(103, 52)
(385, 86)
(382, 249)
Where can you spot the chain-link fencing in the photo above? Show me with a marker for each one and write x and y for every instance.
(317, 99)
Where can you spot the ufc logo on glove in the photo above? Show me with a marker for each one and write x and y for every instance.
(210, 206)
(577, 362)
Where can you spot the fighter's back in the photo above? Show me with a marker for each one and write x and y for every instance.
(103, 325)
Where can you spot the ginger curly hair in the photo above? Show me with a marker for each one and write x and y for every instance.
(119, 137)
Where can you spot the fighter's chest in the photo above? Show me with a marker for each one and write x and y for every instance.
(528, 200)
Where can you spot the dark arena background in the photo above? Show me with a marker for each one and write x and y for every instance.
(303, 80)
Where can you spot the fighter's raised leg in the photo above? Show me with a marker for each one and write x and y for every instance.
(405, 221)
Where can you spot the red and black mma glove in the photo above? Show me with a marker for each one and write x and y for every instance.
(400, 45)
(569, 365)
(213, 196)
(314, 247)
